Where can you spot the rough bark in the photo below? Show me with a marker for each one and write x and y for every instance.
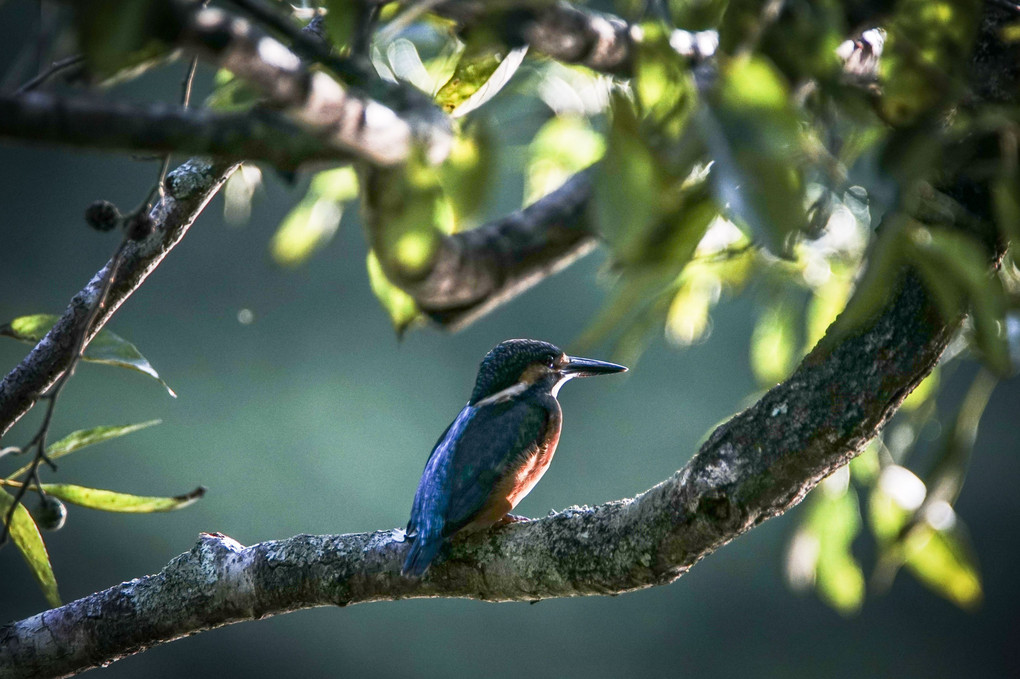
(754, 467)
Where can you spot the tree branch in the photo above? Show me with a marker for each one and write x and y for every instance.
(570, 34)
(754, 467)
(314, 100)
(188, 189)
(157, 128)
(472, 272)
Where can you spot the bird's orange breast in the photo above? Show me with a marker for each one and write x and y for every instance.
(519, 479)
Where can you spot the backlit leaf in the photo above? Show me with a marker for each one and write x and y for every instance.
(944, 561)
(87, 437)
(563, 146)
(111, 501)
(400, 306)
(313, 222)
(484, 68)
(25, 535)
(106, 347)
(466, 175)
(753, 137)
(820, 552)
(774, 342)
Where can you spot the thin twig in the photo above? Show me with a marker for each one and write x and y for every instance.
(55, 68)
(189, 78)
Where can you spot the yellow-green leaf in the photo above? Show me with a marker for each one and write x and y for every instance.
(467, 173)
(106, 347)
(821, 549)
(773, 343)
(25, 535)
(944, 561)
(928, 387)
(563, 146)
(111, 501)
(483, 69)
(86, 437)
(400, 306)
(313, 222)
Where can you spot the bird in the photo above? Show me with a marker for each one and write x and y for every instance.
(496, 449)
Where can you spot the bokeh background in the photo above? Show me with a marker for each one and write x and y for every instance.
(314, 418)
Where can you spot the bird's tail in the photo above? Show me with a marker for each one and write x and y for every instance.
(423, 552)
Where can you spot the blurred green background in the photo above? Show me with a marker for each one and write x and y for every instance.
(313, 418)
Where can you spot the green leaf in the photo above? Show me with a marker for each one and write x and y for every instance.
(948, 257)
(484, 68)
(629, 187)
(313, 222)
(753, 135)
(935, 548)
(110, 501)
(563, 146)
(232, 94)
(821, 552)
(944, 561)
(114, 35)
(25, 535)
(926, 56)
(398, 304)
(774, 341)
(409, 215)
(87, 437)
(662, 81)
(827, 301)
(864, 468)
(341, 20)
(466, 176)
(687, 320)
(885, 258)
(924, 391)
(107, 347)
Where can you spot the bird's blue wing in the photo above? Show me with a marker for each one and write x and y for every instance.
(495, 438)
(467, 462)
(431, 499)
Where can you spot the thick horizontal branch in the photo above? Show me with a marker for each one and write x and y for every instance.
(40, 117)
(338, 117)
(471, 272)
(187, 191)
(753, 467)
(571, 34)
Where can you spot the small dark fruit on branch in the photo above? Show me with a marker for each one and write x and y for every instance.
(102, 215)
(50, 513)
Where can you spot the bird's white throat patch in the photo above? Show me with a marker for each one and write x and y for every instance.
(503, 395)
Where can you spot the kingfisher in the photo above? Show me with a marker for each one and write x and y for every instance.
(497, 448)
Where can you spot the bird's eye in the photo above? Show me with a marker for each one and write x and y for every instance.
(551, 363)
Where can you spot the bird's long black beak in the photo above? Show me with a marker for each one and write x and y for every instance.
(589, 367)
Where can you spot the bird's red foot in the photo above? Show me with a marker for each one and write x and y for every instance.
(511, 518)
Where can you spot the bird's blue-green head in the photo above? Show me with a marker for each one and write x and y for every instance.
(519, 363)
